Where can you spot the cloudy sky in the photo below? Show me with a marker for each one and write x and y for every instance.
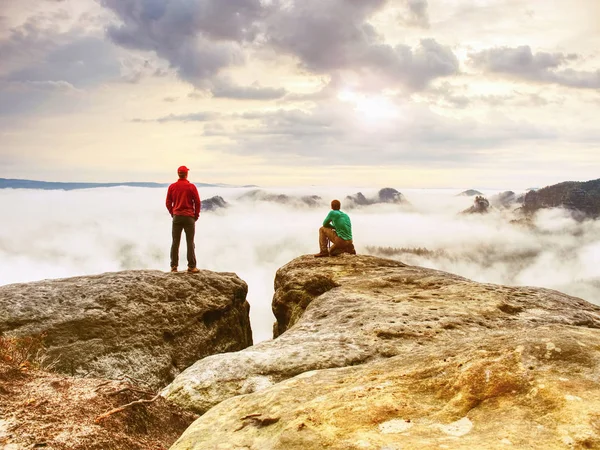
(405, 93)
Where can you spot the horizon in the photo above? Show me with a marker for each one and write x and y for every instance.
(417, 93)
(315, 186)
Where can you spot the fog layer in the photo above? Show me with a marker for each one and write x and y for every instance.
(54, 234)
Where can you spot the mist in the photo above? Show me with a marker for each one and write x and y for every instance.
(56, 234)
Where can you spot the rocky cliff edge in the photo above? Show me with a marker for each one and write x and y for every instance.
(374, 354)
(145, 325)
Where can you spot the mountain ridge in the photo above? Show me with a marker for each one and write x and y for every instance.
(16, 183)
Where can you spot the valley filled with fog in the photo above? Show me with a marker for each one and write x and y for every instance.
(55, 234)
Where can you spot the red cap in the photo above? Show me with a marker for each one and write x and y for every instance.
(183, 169)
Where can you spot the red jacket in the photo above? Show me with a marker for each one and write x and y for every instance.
(183, 199)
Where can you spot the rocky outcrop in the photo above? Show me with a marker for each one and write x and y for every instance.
(385, 195)
(536, 388)
(385, 317)
(391, 356)
(481, 205)
(148, 325)
(581, 198)
(213, 203)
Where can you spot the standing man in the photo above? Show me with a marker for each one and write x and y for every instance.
(338, 230)
(183, 203)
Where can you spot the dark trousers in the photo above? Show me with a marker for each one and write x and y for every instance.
(327, 235)
(188, 224)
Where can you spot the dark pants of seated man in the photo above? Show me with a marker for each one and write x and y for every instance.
(187, 224)
(338, 246)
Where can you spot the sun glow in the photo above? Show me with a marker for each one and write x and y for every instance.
(371, 108)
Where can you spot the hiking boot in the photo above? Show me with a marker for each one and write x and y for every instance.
(174, 269)
(193, 270)
(321, 255)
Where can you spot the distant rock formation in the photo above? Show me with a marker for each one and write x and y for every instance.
(260, 195)
(390, 195)
(506, 200)
(480, 206)
(374, 352)
(583, 198)
(385, 195)
(146, 324)
(469, 193)
(359, 199)
(312, 200)
(214, 203)
(521, 197)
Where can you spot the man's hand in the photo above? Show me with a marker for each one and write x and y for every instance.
(195, 219)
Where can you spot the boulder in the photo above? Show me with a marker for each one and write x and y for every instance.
(353, 310)
(144, 324)
(583, 198)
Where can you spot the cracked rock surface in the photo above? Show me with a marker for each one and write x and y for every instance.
(374, 354)
(345, 320)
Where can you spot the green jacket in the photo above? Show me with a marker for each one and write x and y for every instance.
(341, 223)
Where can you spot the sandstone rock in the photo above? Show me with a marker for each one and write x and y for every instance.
(145, 324)
(351, 310)
(535, 388)
(582, 198)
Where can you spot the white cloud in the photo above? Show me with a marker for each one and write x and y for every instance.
(259, 66)
(416, 13)
(540, 67)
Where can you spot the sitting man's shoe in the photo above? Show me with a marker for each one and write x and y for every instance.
(321, 255)
(173, 269)
(193, 270)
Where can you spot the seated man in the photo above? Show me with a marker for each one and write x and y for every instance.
(336, 229)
